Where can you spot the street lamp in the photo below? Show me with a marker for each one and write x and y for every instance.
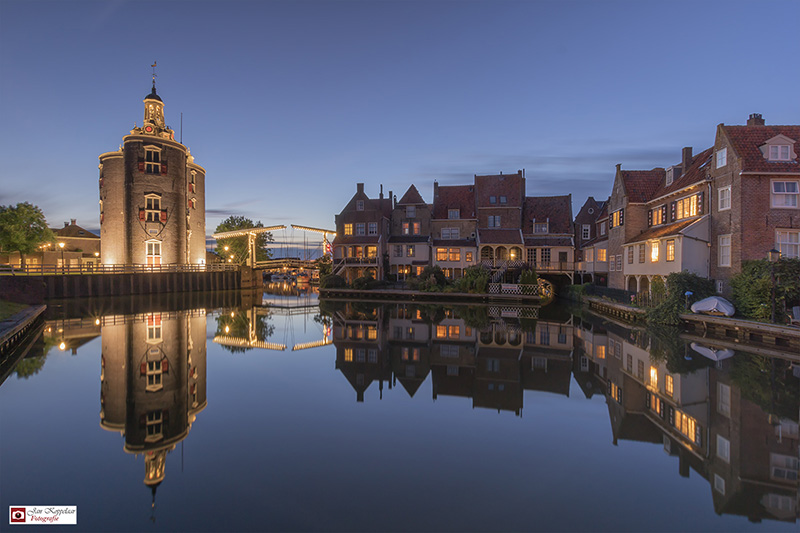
(61, 245)
(773, 256)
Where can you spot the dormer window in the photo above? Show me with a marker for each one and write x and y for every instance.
(454, 214)
(540, 227)
(779, 152)
(359, 205)
(670, 176)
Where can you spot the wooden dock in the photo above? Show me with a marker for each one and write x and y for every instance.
(750, 335)
(627, 313)
(15, 328)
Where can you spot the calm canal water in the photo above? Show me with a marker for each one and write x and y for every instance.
(230, 412)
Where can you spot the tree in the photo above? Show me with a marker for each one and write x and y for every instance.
(237, 246)
(23, 229)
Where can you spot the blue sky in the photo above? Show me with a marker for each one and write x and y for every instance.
(288, 104)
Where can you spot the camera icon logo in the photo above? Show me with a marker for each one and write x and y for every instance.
(17, 515)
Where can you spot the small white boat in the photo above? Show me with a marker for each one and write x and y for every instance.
(714, 305)
(715, 354)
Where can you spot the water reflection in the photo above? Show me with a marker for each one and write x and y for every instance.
(733, 419)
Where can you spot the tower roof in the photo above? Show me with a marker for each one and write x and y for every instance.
(153, 95)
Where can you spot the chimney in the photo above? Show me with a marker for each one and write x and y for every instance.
(755, 120)
(381, 195)
(435, 190)
(360, 188)
(394, 201)
(686, 160)
(66, 224)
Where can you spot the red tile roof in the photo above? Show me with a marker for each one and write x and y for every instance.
(640, 185)
(693, 175)
(558, 209)
(461, 197)
(411, 197)
(356, 239)
(657, 232)
(73, 230)
(500, 236)
(548, 241)
(747, 139)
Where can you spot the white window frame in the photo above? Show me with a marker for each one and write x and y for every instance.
(724, 198)
(494, 221)
(152, 251)
(787, 242)
(359, 205)
(780, 152)
(152, 160)
(586, 232)
(724, 449)
(788, 197)
(541, 227)
(724, 250)
(372, 228)
(360, 229)
(411, 211)
(721, 157)
(152, 207)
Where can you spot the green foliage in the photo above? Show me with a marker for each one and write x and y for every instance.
(767, 382)
(23, 228)
(752, 288)
(475, 316)
(364, 282)
(29, 366)
(332, 281)
(237, 324)
(325, 266)
(237, 246)
(432, 279)
(475, 280)
(8, 309)
(667, 346)
(678, 283)
(528, 277)
(658, 289)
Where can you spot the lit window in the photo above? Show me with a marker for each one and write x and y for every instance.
(152, 208)
(540, 227)
(686, 207)
(454, 331)
(670, 249)
(359, 205)
(348, 229)
(348, 355)
(415, 227)
(686, 425)
(785, 193)
(406, 228)
(441, 254)
(653, 377)
(454, 214)
(152, 160)
(410, 250)
(586, 231)
(601, 254)
(601, 351)
(372, 252)
(153, 253)
(372, 228)
(724, 259)
(788, 243)
(657, 215)
(654, 252)
(360, 228)
(721, 157)
(779, 152)
(724, 198)
(468, 257)
(617, 218)
(441, 332)
(455, 254)
(630, 255)
(669, 385)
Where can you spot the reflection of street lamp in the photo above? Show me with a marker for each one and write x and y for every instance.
(773, 256)
(61, 245)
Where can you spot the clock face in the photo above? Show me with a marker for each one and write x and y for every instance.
(148, 129)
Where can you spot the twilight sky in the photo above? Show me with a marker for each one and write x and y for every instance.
(288, 104)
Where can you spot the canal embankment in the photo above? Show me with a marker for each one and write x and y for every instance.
(402, 295)
(18, 333)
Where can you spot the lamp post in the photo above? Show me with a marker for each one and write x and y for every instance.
(773, 256)
(61, 245)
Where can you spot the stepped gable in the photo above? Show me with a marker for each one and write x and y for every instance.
(641, 185)
(411, 197)
(694, 174)
(461, 197)
(746, 140)
(558, 209)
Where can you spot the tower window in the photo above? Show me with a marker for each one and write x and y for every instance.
(152, 161)
(153, 253)
(152, 208)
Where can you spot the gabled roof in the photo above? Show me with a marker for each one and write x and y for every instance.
(694, 174)
(640, 185)
(556, 209)
(461, 197)
(509, 185)
(657, 232)
(411, 197)
(73, 230)
(548, 241)
(746, 140)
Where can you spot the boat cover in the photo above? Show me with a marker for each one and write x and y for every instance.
(714, 305)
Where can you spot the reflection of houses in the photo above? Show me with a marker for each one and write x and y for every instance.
(153, 382)
(409, 346)
(361, 353)
(547, 357)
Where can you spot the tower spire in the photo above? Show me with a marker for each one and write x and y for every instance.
(154, 75)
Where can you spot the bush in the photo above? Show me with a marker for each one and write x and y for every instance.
(475, 280)
(678, 284)
(332, 281)
(432, 279)
(364, 282)
(752, 288)
(528, 277)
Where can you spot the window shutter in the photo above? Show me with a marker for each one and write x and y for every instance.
(163, 168)
(165, 365)
(101, 218)
(650, 218)
(101, 183)
(192, 187)
(622, 217)
(673, 211)
(611, 221)
(649, 400)
(700, 203)
(698, 433)
(664, 213)
(143, 369)
(163, 216)
(141, 214)
(141, 166)
(609, 388)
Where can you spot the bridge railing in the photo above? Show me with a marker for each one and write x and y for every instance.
(88, 268)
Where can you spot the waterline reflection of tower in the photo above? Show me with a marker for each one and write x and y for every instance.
(153, 382)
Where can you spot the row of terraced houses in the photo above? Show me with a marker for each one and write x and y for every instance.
(706, 214)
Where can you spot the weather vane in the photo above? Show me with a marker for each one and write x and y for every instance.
(154, 72)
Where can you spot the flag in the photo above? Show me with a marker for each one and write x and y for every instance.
(154, 64)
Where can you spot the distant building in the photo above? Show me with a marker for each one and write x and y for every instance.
(80, 250)
(152, 197)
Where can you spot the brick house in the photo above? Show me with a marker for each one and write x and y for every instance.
(454, 228)
(499, 202)
(755, 188)
(409, 241)
(593, 266)
(548, 233)
(362, 233)
(585, 224)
